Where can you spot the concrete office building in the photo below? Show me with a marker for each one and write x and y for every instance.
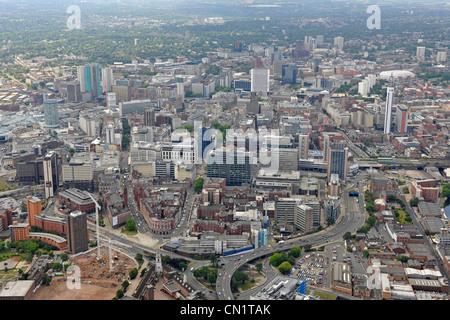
(289, 73)
(135, 106)
(401, 119)
(17, 290)
(74, 91)
(303, 146)
(441, 56)
(338, 161)
(149, 117)
(77, 232)
(48, 177)
(90, 79)
(420, 52)
(111, 100)
(110, 133)
(260, 80)
(305, 218)
(388, 114)
(107, 80)
(237, 170)
(339, 42)
(285, 213)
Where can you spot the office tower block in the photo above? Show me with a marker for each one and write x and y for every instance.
(74, 91)
(388, 114)
(420, 52)
(19, 232)
(300, 50)
(238, 46)
(233, 164)
(285, 213)
(111, 101)
(303, 146)
(305, 218)
(339, 42)
(319, 40)
(77, 232)
(328, 138)
(258, 62)
(180, 87)
(289, 74)
(110, 133)
(260, 80)
(90, 79)
(48, 177)
(253, 106)
(441, 56)
(401, 119)
(34, 208)
(107, 80)
(338, 161)
(51, 113)
(149, 117)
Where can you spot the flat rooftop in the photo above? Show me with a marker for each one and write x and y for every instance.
(17, 288)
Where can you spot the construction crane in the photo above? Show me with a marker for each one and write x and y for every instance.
(97, 228)
(324, 124)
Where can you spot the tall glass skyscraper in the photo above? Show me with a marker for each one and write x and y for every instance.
(338, 161)
(51, 113)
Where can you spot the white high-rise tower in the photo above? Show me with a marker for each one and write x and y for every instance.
(110, 133)
(388, 115)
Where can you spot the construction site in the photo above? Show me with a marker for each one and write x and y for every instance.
(108, 270)
(99, 278)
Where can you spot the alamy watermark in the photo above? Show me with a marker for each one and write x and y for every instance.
(374, 21)
(240, 147)
(74, 21)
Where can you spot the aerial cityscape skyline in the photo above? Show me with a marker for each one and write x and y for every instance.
(206, 151)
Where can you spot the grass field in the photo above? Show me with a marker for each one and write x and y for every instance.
(324, 296)
(248, 284)
(402, 216)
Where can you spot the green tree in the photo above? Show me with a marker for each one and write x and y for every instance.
(133, 273)
(347, 235)
(402, 258)
(212, 276)
(366, 253)
(285, 267)
(119, 294)
(46, 279)
(414, 202)
(57, 266)
(130, 225)
(198, 184)
(295, 252)
(277, 258)
(240, 276)
(370, 207)
(259, 267)
(139, 258)
(125, 285)
(213, 260)
(446, 190)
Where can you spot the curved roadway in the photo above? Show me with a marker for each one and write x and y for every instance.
(350, 221)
